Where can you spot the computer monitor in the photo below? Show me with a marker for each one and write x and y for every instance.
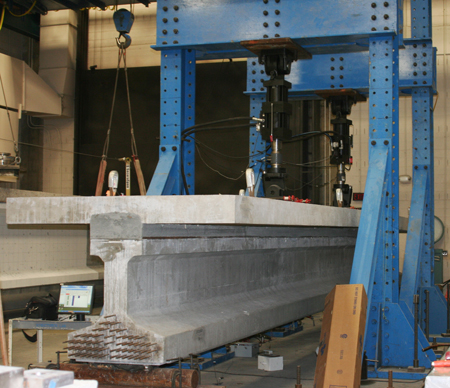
(76, 299)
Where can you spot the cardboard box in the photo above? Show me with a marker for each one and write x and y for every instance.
(342, 337)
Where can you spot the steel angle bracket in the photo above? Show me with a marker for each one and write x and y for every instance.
(165, 179)
(394, 325)
(434, 322)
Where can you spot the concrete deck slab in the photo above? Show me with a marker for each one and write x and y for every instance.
(196, 209)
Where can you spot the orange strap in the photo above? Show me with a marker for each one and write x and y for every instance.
(140, 176)
(100, 178)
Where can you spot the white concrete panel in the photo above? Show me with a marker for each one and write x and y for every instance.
(64, 16)
(39, 255)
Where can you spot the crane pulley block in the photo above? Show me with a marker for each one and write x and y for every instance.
(123, 20)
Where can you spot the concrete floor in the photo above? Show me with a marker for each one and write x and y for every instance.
(297, 349)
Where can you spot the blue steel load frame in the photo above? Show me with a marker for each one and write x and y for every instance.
(355, 45)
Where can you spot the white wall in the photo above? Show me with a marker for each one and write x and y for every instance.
(360, 117)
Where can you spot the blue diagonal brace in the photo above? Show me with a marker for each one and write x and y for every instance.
(164, 179)
(414, 242)
(364, 262)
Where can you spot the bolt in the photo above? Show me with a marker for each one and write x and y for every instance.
(425, 167)
(163, 149)
(374, 5)
(266, 25)
(386, 4)
(277, 12)
(386, 142)
(416, 167)
(374, 17)
(265, 13)
(390, 381)
(415, 73)
(424, 63)
(175, 20)
(266, 1)
(373, 142)
(165, 9)
(386, 16)
(176, 8)
(164, 20)
(175, 31)
(277, 24)
(164, 32)
(174, 148)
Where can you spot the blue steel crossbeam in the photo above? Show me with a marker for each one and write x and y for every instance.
(363, 49)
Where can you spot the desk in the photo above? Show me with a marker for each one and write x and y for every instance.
(40, 325)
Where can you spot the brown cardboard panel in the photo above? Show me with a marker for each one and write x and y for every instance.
(341, 339)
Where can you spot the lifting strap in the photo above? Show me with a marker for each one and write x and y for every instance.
(137, 165)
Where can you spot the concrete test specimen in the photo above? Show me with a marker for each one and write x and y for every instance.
(186, 274)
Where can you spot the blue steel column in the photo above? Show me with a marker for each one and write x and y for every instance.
(419, 255)
(257, 146)
(376, 253)
(418, 273)
(177, 113)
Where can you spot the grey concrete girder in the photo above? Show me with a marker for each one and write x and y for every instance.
(186, 274)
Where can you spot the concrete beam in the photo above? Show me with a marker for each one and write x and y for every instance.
(188, 274)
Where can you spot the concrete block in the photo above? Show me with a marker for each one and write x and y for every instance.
(11, 377)
(270, 362)
(47, 378)
(245, 349)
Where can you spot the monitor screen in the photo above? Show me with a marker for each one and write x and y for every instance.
(76, 299)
